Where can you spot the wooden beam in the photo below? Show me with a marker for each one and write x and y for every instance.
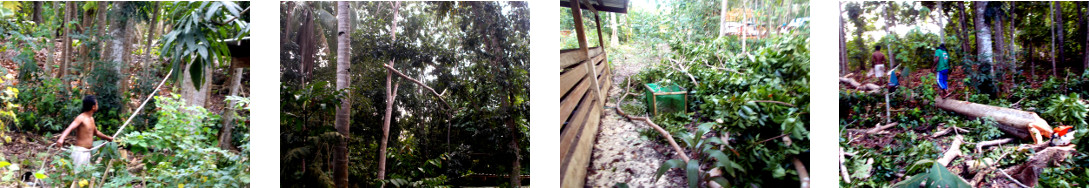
(622, 10)
(570, 57)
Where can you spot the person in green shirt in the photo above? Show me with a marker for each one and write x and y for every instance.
(941, 58)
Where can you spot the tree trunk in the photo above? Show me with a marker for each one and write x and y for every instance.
(288, 25)
(391, 95)
(983, 35)
(1085, 24)
(228, 116)
(744, 26)
(49, 55)
(1060, 32)
(67, 44)
(963, 29)
(37, 17)
(1054, 69)
(614, 40)
(1017, 122)
(722, 19)
(889, 22)
(941, 25)
(842, 42)
(1000, 43)
(307, 47)
(102, 6)
(151, 34)
(192, 95)
(343, 117)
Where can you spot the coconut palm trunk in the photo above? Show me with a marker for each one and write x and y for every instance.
(340, 171)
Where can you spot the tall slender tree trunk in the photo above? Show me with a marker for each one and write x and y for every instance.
(963, 29)
(941, 23)
(102, 25)
(50, 59)
(983, 35)
(1054, 69)
(1085, 25)
(889, 22)
(67, 44)
(391, 95)
(722, 19)
(151, 33)
(842, 42)
(744, 26)
(37, 17)
(1000, 42)
(614, 39)
(343, 116)
(1059, 31)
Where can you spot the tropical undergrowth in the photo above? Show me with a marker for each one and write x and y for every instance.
(908, 151)
(747, 112)
(179, 151)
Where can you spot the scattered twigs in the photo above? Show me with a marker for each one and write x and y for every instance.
(1003, 172)
(391, 69)
(880, 127)
(953, 152)
(843, 168)
(770, 101)
(983, 173)
(980, 145)
(769, 139)
(948, 130)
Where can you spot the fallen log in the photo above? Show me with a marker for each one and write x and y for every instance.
(867, 87)
(1011, 121)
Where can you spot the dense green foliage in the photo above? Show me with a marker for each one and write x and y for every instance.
(476, 53)
(732, 96)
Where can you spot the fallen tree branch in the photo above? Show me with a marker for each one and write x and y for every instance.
(980, 145)
(953, 152)
(948, 130)
(1003, 172)
(437, 95)
(803, 175)
(668, 137)
(879, 127)
(681, 68)
(843, 168)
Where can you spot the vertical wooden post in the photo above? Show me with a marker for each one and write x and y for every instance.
(601, 43)
(580, 31)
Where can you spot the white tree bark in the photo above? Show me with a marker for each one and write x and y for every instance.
(343, 116)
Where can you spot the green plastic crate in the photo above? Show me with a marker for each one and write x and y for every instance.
(667, 99)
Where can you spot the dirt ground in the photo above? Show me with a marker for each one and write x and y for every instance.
(620, 155)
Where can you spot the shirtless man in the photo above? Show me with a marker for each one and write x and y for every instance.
(85, 124)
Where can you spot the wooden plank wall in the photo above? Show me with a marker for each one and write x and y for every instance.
(585, 79)
(581, 108)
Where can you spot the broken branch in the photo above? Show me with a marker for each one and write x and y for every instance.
(953, 152)
(418, 83)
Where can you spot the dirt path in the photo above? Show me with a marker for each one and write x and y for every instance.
(620, 155)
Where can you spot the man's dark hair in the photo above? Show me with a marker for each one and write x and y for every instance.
(942, 46)
(89, 103)
(877, 47)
